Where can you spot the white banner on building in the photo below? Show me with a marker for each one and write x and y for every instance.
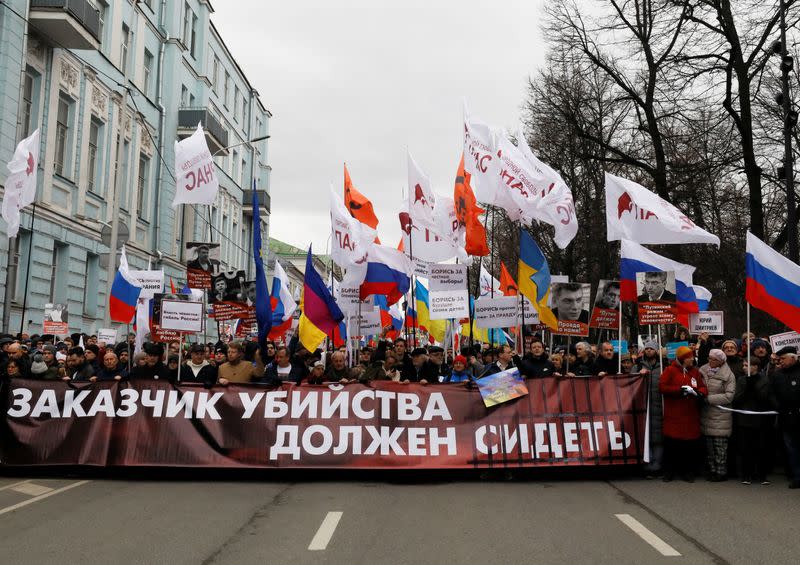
(182, 316)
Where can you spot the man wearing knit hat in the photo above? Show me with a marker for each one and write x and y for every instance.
(683, 388)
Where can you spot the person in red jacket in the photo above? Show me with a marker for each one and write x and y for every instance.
(683, 389)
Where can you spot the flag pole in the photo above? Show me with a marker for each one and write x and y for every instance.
(748, 331)
(27, 272)
(469, 311)
(180, 354)
(128, 344)
(491, 276)
(619, 339)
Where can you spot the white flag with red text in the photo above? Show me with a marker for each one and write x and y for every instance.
(196, 179)
(635, 213)
(20, 186)
(350, 240)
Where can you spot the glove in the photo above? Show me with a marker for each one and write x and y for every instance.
(687, 390)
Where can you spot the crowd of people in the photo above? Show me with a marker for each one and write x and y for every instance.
(733, 400)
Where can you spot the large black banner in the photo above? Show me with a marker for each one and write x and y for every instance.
(568, 421)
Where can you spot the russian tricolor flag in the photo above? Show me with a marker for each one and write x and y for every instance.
(637, 259)
(387, 274)
(773, 282)
(283, 305)
(124, 293)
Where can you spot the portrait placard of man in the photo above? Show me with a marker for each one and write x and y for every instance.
(204, 256)
(571, 301)
(657, 287)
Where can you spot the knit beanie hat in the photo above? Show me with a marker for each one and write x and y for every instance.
(683, 352)
(460, 359)
(718, 355)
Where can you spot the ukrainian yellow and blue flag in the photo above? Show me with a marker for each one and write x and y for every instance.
(534, 278)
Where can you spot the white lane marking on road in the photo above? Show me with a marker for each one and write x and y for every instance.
(31, 489)
(12, 485)
(325, 532)
(40, 497)
(658, 544)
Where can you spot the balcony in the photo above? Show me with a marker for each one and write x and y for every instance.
(73, 24)
(216, 135)
(263, 202)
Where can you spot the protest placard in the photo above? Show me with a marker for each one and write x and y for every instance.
(182, 316)
(712, 323)
(368, 323)
(620, 346)
(107, 336)
(779, 341)
(501, 387)
(672, 348)
(605, 314)
(501, 312)
(152, 282)
(56, 318)
(656, 296)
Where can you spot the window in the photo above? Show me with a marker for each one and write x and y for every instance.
(226, 89)
(235, 165)
(215, 74)
(141, 187)
(102, 8)
(148, 70)
(189, 28)
(28, 88)
(193, 45)
(93, 165)
(63, 117)
(191, 100)
(187, 22)
(236, 103)
(58, 278)
(184, 96)
(124, 201)
(123, 49)
(90, 278)
(244, 171)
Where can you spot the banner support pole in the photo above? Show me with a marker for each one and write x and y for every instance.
(748, 331)
(660, 356)
(180, 354)
(128, 344)
(27, 272)
(619, 339)
(569, 344)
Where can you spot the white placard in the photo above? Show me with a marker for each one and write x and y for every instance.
(447, 304)
(779, 341)
(712, 323)
(531, 314)
(447, 277)
(497, 312)
(348, 299)
(107, 335)
(368, 325)
(152, 282)
(421, 268)
(182, 316)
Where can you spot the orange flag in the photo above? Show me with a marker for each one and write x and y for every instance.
(359, 205)
(507, 284)
(467, 212)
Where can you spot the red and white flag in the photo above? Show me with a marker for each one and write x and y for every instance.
(21, 182)
(635, 213)
(350, 240)
(196, 174)
(426, 235)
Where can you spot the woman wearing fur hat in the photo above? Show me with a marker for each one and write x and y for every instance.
(683, 389)
(717, 424)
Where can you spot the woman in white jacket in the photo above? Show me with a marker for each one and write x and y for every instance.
(717, 424)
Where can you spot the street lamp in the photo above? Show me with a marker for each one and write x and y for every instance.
(254, 140)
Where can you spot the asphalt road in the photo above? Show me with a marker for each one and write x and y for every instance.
(391, 518)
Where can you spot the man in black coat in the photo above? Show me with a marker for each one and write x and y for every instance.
(786, 390)
(154, 368)
(421, 369)
(607, 362)
(536, 362)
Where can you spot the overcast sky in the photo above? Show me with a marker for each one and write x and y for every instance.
(361, 81)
